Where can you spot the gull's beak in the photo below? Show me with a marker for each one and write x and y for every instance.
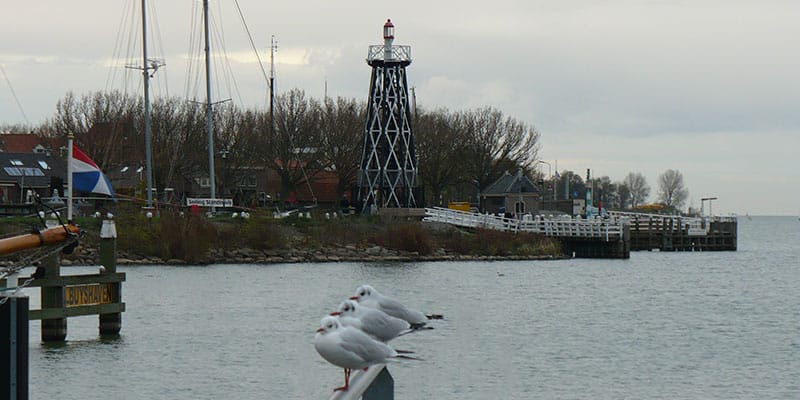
(320, 329)
(354, 298)
(335, 313)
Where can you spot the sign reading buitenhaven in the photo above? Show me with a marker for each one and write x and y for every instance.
(83, 295)
(209, 202)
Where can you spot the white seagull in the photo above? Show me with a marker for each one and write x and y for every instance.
(372, 321)
(367, 296)
(349, 348)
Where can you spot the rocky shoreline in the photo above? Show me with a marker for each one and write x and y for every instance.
(348, 253)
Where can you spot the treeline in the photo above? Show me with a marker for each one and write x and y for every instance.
(459, 152)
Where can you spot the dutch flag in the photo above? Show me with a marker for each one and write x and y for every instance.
(86, 175)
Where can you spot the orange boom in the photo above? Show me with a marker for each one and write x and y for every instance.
(42, 238)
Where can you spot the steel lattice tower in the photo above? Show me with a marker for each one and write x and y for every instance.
(388, 171)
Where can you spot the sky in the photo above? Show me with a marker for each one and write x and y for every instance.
(710, 88)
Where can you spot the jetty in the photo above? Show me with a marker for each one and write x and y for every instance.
(614, 236)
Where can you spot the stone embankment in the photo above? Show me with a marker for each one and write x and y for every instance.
(349, 253)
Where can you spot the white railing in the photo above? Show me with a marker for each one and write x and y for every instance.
(556, 226)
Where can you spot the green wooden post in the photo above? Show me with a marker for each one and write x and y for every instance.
(14, 347)
(55, 329)
(110, 324)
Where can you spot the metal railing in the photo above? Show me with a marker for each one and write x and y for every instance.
(555, 226)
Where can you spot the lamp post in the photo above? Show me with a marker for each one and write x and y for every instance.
(550, 174)
(709, 200)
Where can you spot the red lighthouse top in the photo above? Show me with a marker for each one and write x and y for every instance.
(388, 29)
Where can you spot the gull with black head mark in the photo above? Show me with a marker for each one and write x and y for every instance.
(351, 348)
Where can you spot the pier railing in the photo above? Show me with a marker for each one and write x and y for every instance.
(555, 226)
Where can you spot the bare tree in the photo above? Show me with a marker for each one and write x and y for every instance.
(638, 188)
(292, 145)
(671, 190)
(342, 122)
(440, 149)
(495, 144)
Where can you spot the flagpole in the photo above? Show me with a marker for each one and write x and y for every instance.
(70, 138)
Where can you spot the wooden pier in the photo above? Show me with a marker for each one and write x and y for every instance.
(583, 238)
(612, 237)
(676, 233)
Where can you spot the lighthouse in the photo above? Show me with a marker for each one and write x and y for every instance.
(388, 171)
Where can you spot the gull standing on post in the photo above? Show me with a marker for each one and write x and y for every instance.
(367, 296)
(349, 348)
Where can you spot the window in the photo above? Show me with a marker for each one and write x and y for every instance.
(43, 164)
(16, 163)
(13, 171)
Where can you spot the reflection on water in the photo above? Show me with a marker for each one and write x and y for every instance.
(660, 325)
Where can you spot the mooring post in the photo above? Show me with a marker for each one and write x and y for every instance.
(53, 329)
(14, 346)
(110, 324)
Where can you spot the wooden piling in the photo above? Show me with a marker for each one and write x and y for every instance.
(53, 329)
(14, 348)
(111, 323)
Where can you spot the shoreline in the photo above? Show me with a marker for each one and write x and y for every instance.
(88, 256)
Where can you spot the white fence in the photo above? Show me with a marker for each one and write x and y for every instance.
(556, 226)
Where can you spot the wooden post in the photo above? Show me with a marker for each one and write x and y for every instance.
(14, 347)
(110, 324)
(55, 329)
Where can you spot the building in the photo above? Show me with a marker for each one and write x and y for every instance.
(511, 195)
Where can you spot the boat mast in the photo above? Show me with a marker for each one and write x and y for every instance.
(272, 47)
(147, 132)
(209, 115)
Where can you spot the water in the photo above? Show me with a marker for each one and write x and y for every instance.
(658, 326)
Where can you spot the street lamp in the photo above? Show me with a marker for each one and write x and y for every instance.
(702, 202)
(550, 174)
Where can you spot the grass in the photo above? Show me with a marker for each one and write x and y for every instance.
(174, 235)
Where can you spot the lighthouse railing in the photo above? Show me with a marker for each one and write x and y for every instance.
(398, 52)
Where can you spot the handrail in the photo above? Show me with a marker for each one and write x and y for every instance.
(564, 226)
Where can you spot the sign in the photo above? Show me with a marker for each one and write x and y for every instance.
(696, 232)
(83, 295)
(209, 202)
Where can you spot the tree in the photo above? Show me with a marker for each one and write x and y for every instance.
(637, 187)
(496, 144)
(292, 145)
(671, 190)
(439, 151)
(342, 126)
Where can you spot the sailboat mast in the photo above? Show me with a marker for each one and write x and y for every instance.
(209, 115)
(272, 47)
(147, 132)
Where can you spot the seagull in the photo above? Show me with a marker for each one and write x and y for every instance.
(350, 348)
(367, 296)
(372, 321)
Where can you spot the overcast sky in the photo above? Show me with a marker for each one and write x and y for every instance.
(709, 88)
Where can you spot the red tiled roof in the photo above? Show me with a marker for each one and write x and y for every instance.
(19, 142)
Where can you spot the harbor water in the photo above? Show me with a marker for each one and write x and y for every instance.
(660, 325)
